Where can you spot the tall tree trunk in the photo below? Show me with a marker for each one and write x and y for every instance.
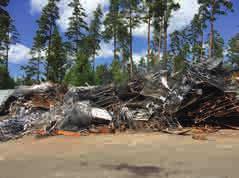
(202, 42)
(7, 51)
(165, 27)
(211, 50)
(38, 67)
(165, 47)
(160, 40)
(49, 53)
(131, 44)
(94, 67)
(149, 38)
(94, 62)
(7, 56)
(115, 46)
(77, 45)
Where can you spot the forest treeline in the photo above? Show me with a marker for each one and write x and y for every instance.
(70, 58)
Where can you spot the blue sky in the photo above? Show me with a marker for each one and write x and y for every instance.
(26, 12)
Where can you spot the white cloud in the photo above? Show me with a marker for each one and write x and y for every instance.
(141, 30)
(106, 50)
(184, 15)
(18, 53)
(88, 5)
(66, 11)
(137, 56)
(37, 5)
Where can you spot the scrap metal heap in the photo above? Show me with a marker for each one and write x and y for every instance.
(198, 95)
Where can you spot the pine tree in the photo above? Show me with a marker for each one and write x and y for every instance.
(95, 34)
(196, 31)
(188, 42)
(180, 45)
(233, 50)
(31, 72)
(77, 27)
(142, 63)
(124, 45)
(178, 66)
(157, 38)
(212, 9)
(47, 24)
(12, 37)
(57, 58)
(112, 25)
(81, 73)
(118, 75)
(103, 75)
(148, 15)
(4, 19)
(218, 43)
(4, 3)
(158, 14)
(8, 33)
(168, 6)
(34, 69)
(4, 23)
(131, 13)
(6, 82)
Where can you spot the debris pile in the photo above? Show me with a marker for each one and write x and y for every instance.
(161, 100)
(27, 108)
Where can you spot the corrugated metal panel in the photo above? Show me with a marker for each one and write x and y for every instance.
(4, 95)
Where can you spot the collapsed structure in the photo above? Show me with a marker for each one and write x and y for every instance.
(197, 95)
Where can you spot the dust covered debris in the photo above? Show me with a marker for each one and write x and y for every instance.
(201, 94)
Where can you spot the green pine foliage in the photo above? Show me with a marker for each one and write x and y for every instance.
(34, 68)
(142, 63)
(46, 26)
(4, 19)
(6, 82)
(118, 75)
(77, 27)
(131, 16)
(57, 58)
(102, 75)
(218, 45)
(95, 34)
(4, 3)
(8, 33)
(180, 45)
(196, 35)
(233, 50)
(81, 73)
(112, 24)
(8, 36)
(178, 65)
(74, 61)
(212, 9)
(162, 12)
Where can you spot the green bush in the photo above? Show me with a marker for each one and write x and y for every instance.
(6, 82)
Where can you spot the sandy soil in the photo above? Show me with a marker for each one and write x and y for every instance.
(122, 156)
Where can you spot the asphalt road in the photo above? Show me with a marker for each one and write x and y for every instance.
(121, 156)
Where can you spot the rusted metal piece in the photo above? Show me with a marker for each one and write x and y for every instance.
(67, 133)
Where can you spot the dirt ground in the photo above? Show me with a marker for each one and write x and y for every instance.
(122, 156)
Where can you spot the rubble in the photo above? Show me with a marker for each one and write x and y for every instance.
(161, 100)
(81, 116)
